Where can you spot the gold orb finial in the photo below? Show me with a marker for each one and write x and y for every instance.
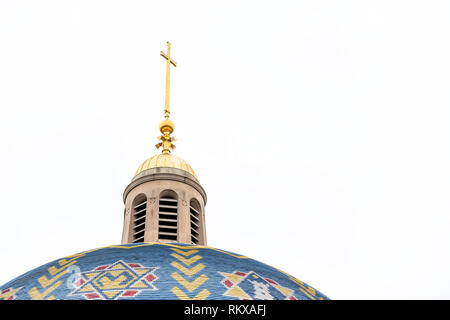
(166, 125)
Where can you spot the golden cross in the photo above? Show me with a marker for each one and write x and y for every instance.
(167, 126)
(169, 61)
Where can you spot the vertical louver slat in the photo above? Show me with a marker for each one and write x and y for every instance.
(194, 215)
(139, 221)
(168, 219)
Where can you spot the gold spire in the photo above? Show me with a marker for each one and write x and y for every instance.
(167, 126)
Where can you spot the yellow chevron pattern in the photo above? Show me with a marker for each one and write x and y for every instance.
(186, 271)
(187, 262)
(50, 284)
(183, 262)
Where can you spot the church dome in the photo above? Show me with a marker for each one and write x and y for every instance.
(160, 271)
(164, 253)
(165, 160)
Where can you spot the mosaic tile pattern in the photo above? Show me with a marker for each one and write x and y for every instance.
(157, 271)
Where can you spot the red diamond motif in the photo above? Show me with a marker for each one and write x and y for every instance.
(92, 296)
(129, 293)
(228, 283)
(101, 268)
(150, 278)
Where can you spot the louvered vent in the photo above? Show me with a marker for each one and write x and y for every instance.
(194, 224)
(168, 219)
(139, 221)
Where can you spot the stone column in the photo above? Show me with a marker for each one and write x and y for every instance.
(151, 219)
(126, 225)
(184, 230)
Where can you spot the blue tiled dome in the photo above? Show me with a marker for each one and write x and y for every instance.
(157, 271)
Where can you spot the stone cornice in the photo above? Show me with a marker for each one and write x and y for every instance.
(165, 173)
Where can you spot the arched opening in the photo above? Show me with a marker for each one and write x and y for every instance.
(138, 217)
(168, 216)
(195, 210)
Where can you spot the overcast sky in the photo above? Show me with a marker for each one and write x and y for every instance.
(319, 129)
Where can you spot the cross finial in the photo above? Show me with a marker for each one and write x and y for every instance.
(169, 61)
(167, 126)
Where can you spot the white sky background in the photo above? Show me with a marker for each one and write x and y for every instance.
(319, 129)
